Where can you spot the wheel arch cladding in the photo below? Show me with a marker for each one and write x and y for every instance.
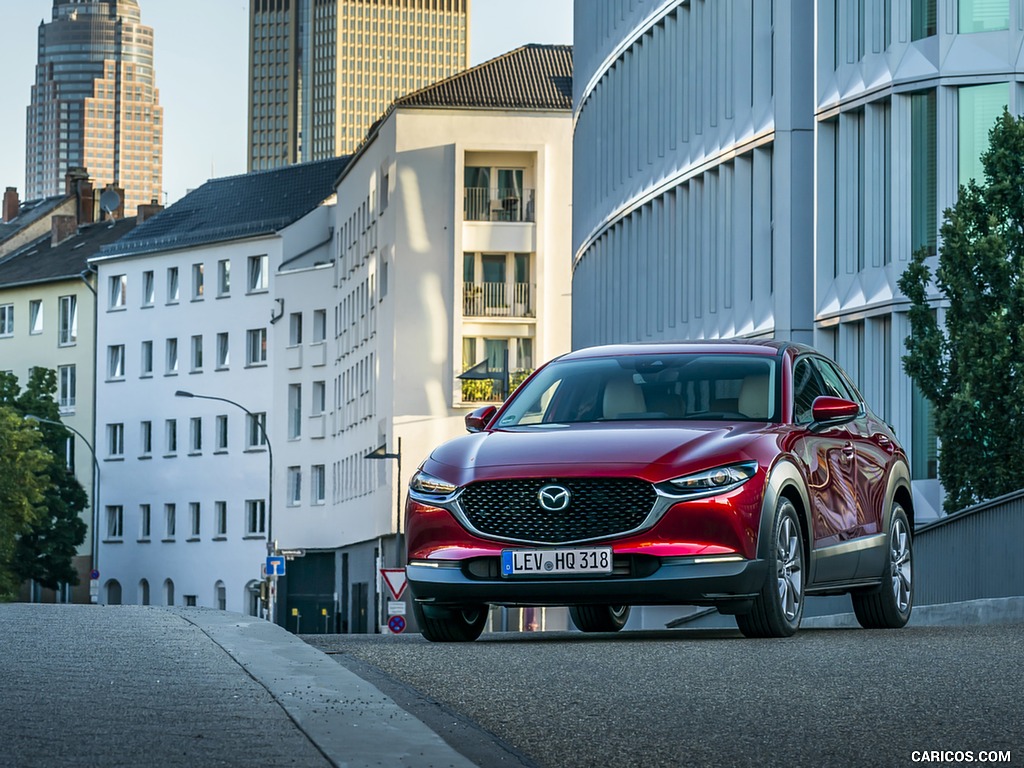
(784, 481)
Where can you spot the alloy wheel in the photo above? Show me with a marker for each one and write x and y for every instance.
(789, 568)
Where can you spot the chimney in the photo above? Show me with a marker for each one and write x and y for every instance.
(11, 204)
(62, 227)
(86, 202)
(146, 211)
(71, 179)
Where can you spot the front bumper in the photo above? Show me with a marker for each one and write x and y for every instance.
(668, 581)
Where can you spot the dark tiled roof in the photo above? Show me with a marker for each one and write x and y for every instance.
(39, 262)
(531, 77)
(233, 207)
(30, 211)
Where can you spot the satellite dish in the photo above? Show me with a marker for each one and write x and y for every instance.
(110, 201)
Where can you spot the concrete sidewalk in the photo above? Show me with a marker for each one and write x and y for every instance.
(143, 686)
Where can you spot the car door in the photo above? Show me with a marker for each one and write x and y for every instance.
(872, 449)
(827, 454)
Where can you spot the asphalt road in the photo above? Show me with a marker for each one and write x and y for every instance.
(826, 697)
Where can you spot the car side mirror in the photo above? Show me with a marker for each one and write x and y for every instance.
(478, 420)
(829, 411)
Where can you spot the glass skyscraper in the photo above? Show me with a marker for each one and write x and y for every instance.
(95, 103)
(322, 71)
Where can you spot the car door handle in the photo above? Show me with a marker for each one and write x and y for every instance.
(849, 451)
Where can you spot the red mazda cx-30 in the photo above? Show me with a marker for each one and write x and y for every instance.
(741, 475)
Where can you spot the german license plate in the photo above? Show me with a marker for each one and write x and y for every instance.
(554, 562)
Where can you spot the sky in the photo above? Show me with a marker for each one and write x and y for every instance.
(205, 127)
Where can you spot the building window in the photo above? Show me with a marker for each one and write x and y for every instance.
(6, 319)
(197, 353)
(172, 356)
(221, 596)
(294, 486)
(923, 185)
(194, 514)
(223, 277)
(172, 285)
(146, 359)
(115, 361)
(318, 484)
(924, 453)
(319, 397)
(67, 385)
(256, 346)
(145, 521)
(295, 329)
(221, 430)
(979, 107)
(195, 435)
(171, 436)
(294, 411)
(118, 291)
(223, 351)
(259, 277)
(922, 18)
(35, 317)
(220, 514)
(115, 441)
(319, 325)
(255, 430)
(170, 512)
(148, 288)
(68, 320)
(982, 15)
(115, 521)
(197, 282)
(255, 517)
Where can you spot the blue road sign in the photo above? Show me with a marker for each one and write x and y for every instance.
(275, 565)
(396, 624)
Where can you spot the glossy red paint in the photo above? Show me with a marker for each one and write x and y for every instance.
(828, 408)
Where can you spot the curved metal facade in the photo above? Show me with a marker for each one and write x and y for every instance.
(692, 170)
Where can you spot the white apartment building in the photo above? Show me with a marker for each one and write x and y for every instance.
(451, 247)
(186, 305)
(767, 170)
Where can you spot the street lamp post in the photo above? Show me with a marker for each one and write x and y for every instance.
(381, 452)
(95, 541)
(271, 545)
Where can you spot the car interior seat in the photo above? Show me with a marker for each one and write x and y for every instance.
(753, 401)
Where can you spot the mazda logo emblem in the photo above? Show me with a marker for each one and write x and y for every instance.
(554, 498)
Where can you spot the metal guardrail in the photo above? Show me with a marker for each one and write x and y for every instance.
(498, 204)
(497, 300)
(972, 554)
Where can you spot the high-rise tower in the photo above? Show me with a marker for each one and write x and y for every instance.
(95, 103)
(322, 71)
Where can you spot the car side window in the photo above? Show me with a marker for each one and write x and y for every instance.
(807, 385)
(835, 385)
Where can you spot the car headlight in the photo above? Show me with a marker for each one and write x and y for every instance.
(714, 481)
(428, 485)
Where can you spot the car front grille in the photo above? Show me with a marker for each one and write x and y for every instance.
(600, 507)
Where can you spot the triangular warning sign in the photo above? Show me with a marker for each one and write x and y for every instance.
(395, 579)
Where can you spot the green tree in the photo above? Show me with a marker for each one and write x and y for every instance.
(972, 370)
(45, 551)
(23, 465)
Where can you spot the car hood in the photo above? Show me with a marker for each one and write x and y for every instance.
(654, 451)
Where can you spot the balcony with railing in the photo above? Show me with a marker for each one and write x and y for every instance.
(498, 300)
(507, 204)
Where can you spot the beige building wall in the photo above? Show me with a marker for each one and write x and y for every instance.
(42, 344)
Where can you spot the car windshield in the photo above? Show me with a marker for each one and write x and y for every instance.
(690, 386)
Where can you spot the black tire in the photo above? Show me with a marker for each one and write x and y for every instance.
(779, 606)
(889, 606)
(599, 618)
(461, 624)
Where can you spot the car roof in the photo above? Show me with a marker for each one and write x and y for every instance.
(766, 347)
